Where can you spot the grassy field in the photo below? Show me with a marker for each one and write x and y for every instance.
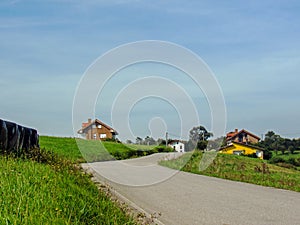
(52, 192)
(291, 161)
(46, 187)
(65, 147)
(140, 147)
(79, 150)
(240, 168)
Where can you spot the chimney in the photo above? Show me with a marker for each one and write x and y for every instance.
(236, 130)
(89, 120)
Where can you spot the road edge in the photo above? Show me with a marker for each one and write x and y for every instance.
(140, 215)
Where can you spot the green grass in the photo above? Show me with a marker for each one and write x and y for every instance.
(239, 168)
(64, 147)
(52, 192)
(79, 150)
(140, 147)
(47, 187)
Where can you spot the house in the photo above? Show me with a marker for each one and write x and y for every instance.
(177, 145)
(237, 148)
(242, 136)
(97, 130)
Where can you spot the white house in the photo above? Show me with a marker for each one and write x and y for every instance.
(177, 145)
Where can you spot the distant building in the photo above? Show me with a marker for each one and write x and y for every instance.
(239, 142)
(242, 136)
(177, 145)
(97, 130)
(240, 148)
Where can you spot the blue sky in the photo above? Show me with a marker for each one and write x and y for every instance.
(253, 48)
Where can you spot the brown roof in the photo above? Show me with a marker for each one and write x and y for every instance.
(232, 135)
(96, 121)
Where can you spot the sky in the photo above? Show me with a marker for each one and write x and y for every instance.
(252, 48)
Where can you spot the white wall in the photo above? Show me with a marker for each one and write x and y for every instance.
(177, 146)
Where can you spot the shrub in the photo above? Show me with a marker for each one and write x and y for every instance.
(286, 165)
(267, 154)
(161, 148)
(277, 159)
(294, 161)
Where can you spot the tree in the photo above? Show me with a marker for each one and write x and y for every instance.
(199, 136)
(270, 137)
(291, 149)
(161, 141)
(274, 142)
(199, 133)
(139, 140)
(278, 144)
(149, 141)
(201, 145)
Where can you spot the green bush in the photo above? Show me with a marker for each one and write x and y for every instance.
(294, 161)
(276, 159)
(286, 165)
(291, 163)
(161, 148)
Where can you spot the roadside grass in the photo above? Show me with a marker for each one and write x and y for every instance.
(52, 191)
(140, 147)
(46, 185)
(80, 150)
(239, 168)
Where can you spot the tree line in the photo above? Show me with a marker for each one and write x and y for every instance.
(198, 139)
(275, 143)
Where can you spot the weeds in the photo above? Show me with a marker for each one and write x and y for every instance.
(42, 187)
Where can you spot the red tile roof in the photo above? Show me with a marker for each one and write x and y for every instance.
(96, 121)
(233, 134)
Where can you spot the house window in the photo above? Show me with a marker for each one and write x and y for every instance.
(238, 152)
(94, 126)
(102, 135)
(95, 136)
(99, 126)
(180, 146)
(240, 137)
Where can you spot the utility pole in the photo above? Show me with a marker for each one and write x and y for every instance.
(166, 139)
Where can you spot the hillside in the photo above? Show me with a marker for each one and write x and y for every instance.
(46, 188)
(239, 168)
(79, 150)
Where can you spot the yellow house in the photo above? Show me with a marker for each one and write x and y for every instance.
(240, 148)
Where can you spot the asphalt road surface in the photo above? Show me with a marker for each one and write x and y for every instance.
(185, 198)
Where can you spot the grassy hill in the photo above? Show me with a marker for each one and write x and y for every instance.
(79, 150)
(46, 188)
(52, 193)
(240, 168)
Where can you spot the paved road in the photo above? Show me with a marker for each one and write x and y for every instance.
(187, 198)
